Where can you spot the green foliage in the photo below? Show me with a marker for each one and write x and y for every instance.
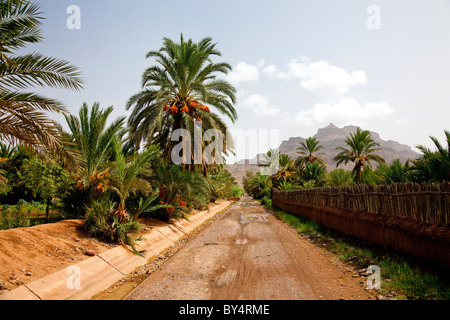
(24, 114)
(14, 217)
(411, 282)
(285, 173)
(373, 177)
(74, 203)
(237, 192)
(179, 185)
(13, 190)
(148, 205)
(266, 201)
(302, 225)
(310, 184)
(286, 186)
(433, 166)
(270, 162)
(103, 223)
(46, 180)
(339, 177)
(221, 183)
(396, 172)
(285, 170)
(7, 151)
(314, 171)
(260, 186)
(129, 174)
(93, 138)
(280, 167)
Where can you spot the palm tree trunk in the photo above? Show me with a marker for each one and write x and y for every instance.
(358, 174)
(47, 210)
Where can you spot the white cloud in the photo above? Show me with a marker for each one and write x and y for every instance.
(244, 72)
(345, 111)
(260, 105)
(318, 76)
(325, 78)
(272, 72)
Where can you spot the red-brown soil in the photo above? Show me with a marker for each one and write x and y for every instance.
(27, 254)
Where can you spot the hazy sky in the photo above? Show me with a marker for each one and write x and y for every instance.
(297, 65)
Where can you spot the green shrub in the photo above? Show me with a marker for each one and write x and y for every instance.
(237, 192)
(266, 201)
(15, 216)
(286, 185)
(260, 186)
(102, 223)
(339, 177)
(221, 184)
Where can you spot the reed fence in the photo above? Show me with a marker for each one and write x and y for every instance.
(422, 202)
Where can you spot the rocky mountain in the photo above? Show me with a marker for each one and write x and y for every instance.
(330, 138)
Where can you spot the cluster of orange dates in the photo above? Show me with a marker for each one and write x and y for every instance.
(190, 107)
(311, 158)
(98, 181)
(163, 193)
(361, 161)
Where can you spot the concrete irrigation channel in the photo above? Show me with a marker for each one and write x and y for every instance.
(90, 278)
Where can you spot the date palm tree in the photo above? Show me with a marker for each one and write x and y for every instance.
(178, 92)
(93, 139)
(314, 171)
(361, 151)
(129, 174)
(434, 165)
(280, 167)
(285, 170)
(23, 117)
(309, 152)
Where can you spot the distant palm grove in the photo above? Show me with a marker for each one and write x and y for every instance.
(108, 172)
(309, 170)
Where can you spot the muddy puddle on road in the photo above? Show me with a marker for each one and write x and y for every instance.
(248, 204)
(258, 217)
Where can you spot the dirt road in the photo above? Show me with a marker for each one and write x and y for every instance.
(248, 254)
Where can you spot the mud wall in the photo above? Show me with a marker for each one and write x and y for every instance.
(418, 239)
